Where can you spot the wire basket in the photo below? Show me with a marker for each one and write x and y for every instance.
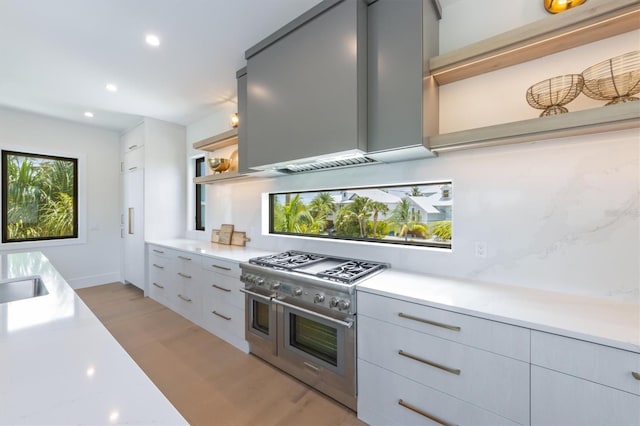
(615, 80)
(552, 94)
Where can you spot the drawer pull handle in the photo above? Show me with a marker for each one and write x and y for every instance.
(186, 299)
(221, 316)
(311, 367)
(158, 285)
(184, 275)
(426, 321)
(184, 258)
(158, 266)
(132, 147)
(424, 413)
(431, 363)
(635, 375)
(224, 268)
(158, 251)
(221, 288)
(132, 168)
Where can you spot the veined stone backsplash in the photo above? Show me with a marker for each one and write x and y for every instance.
(559, 215)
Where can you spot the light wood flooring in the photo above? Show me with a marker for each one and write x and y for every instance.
(209, 381)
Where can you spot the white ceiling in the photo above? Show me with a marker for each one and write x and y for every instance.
(57, 56)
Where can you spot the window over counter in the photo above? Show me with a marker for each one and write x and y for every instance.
(200, 200)
(39, 197)
(415, 214)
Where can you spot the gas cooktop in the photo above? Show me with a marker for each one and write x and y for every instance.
(332, 268)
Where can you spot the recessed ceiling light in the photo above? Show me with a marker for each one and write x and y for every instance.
(88, 114)
(152, 40)
(111, 87)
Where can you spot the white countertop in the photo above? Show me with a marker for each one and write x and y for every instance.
(59, 365)
(222, 251)
(596, 320)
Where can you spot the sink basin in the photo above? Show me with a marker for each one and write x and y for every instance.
(19, 288)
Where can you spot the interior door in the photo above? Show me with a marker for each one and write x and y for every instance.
(133, 232)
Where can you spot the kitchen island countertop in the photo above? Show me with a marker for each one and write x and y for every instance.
(60, 366)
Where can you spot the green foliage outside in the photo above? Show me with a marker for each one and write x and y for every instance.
(360, 218)
(40, 198)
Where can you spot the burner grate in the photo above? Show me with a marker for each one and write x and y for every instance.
(288, 260)
(350, 271)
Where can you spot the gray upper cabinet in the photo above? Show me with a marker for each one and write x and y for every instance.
(402, 107)
(307, 86)
(241, 77)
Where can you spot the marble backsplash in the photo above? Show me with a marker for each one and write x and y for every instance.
(560, 215)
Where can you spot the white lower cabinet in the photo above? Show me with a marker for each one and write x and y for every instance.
(574, 382)
(386, 398)
(417, 362)
(200, 288)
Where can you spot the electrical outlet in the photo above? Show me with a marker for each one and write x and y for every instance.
(481, 249)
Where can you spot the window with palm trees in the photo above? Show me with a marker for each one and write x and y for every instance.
(417, 214)
(39, 197)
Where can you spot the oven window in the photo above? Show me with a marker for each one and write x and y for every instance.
(314, 338)
(260, 317)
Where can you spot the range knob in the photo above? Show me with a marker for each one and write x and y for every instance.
(275, 285)
(333, 302)
(260, 281)
(318, 298)
(297, 292)
(343, 305)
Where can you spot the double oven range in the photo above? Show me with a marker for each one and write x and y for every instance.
(301, 317)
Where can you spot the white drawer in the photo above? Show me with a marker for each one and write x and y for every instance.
(224, 321)
(222, 290)
(380, 391)
(563, 400)
(160, 279)
(187, 299)
(225, 267)
(158, 251)
(597, 363)
(493, 382)
(185, 262)
(493, 336)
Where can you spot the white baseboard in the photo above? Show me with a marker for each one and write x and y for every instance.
(94, 280)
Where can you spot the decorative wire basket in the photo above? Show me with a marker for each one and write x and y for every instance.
(552, 94)
(615, 80)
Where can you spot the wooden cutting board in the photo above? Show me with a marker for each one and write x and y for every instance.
(226, 231)
(239, 238)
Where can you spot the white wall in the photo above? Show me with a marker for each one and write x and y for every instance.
(97, 260)
(559, 215)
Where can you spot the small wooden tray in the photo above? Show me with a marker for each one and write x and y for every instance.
(239, 238)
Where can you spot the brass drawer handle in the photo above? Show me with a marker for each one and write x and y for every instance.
(431, 363)
(425, 414)
(224, 268)
(221, 316)
(184, 257)
(158, 266)
(635, 375)
(311, 367)
(158, 285)
(186, 299)
(426, 321)
(184, 275)
(158, 251)
(221, 288)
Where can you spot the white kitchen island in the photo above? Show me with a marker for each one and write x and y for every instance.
(59, 364)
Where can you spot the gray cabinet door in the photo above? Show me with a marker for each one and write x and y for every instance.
(241, 77)
(307, 91)
(401, 37)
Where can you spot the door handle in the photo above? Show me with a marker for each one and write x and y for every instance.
(130, 220)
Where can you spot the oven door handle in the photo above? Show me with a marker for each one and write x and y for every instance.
(259, 296)
(347, 324)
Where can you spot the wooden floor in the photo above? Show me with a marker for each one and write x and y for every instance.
(209, 381)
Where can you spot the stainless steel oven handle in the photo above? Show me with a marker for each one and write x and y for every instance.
(259, 296)
(347, 324)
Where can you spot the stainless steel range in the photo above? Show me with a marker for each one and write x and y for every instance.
(301, 316)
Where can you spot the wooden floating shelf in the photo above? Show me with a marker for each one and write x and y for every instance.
(218, 177)
(595, 120)
(219, 141)
(592, 21)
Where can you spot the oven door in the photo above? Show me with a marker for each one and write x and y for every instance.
(318, 349)
(260, 325)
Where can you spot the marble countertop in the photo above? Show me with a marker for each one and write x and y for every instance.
(597, 320)
(60, 366)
